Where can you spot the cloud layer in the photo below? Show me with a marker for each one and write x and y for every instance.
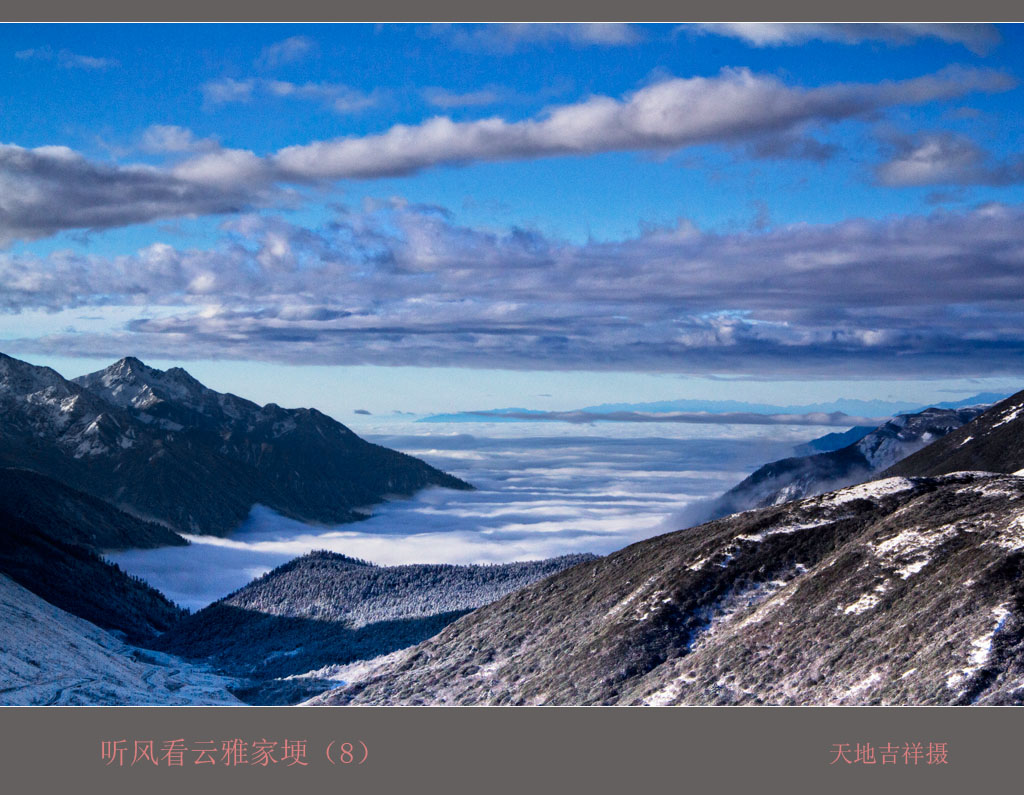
(290, 50)
(333, 96)
(66, 59)
(820, 419)
(52, 188)
(394, 283)
(49, 189)
(535, 498)
(734, 106)
(510, 37)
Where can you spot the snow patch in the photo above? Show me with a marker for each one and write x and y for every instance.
(865, 603)
(910, 550)
(1012, 537)
(863, 685)
(719, 615)
(352, 672)
(670, 692)
(1009, 416)
(621, 606)
(786, 530)
(981, 649)
(867, 491)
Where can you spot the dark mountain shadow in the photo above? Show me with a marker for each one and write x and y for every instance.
(265, 648)
(75, 579)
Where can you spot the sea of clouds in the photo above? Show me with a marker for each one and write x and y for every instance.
(540, 492)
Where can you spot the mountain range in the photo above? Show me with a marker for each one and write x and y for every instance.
(163, 447)
(129, 457)
(845, 407)
(886, 569)
(903, 590)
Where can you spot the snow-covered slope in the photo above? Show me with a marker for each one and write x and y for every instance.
(48, 656)
(897, 591)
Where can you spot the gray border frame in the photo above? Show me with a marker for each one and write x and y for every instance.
(515, 749)
(520, 11)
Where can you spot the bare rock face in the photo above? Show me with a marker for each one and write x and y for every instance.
(900, 591)
(162, 446)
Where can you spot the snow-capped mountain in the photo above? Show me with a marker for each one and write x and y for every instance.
(37, 402)
(172, 398)
(161, 445)
(805, 476)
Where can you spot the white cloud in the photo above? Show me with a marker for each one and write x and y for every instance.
(442, 98)
(336, 96)
(226, 168)
(944, 159)
(49, 189)
(977, 38)
(226, 90)
(169, 138)
(66, 59)
(734, 106)
(509, 37)
(294, 48)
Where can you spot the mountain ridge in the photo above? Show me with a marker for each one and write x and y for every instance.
(836, 599)
(901, 590)
(843, 407)
(993, 442)
(160, 445)
(804, 476)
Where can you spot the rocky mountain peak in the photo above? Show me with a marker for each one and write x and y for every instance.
(129, 382)
(168, 448)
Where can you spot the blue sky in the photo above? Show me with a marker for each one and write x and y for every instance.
(428, 218)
